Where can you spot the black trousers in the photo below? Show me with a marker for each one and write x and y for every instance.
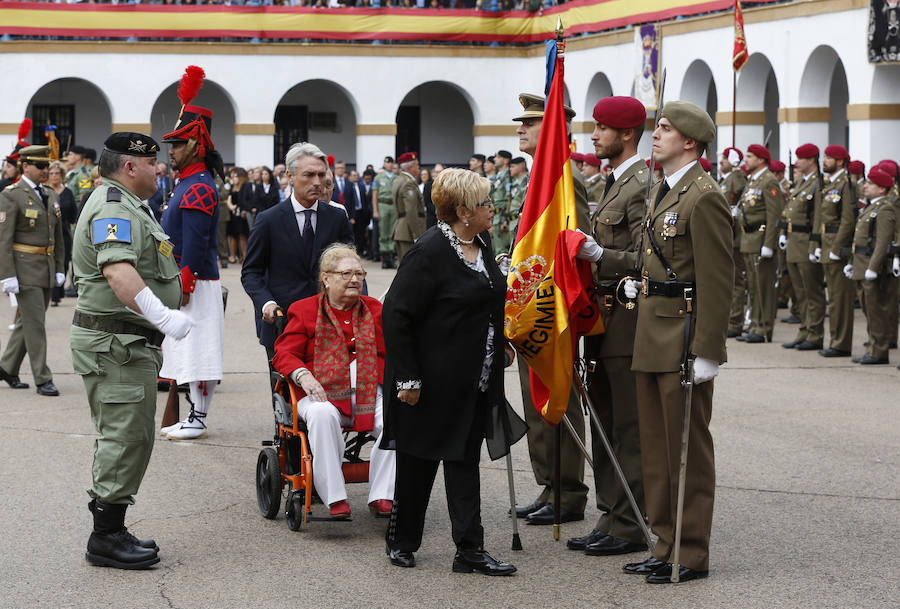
(415, 478)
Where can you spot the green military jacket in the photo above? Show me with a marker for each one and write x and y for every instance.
(500, 194)
(26, 223)
(79, 182)
(873, 235)
(384, 188)
(517, 191)
(798, 218)
(692, 227)
(761, 206)
(410, 206)
(119, 228)
(732, 186)
(835, 214)
(595, 185)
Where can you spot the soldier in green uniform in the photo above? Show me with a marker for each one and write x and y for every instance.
(78, 178)
(732, 181)
(32, 262)
(870, 266)
(834, 223)
(761, 206)
(385, 213)
(409, 204)
(857, 171)
(518, 186)
(802, 265)
(501, 195)
(129, 291)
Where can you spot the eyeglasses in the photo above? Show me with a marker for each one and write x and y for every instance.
(348, 275)
(40, 164)
(487, 203)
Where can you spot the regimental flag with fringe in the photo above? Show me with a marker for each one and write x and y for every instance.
(740, 55)
(547, 302)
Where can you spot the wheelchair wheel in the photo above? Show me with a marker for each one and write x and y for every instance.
(293, 514)
(268, 483)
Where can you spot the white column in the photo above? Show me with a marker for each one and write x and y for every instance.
(251, 150)
(372, 148)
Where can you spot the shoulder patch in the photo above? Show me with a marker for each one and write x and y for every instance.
(774, 191)
(113, 194)
(201, 197)
(106, 230)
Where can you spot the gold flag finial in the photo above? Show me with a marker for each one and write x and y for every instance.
(559, 29)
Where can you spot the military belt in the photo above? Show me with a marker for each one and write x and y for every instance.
(33, 249)
(832, 229)
(665, 288)
(116, 326)
(749, 228)
(797, 229)
(863, 249)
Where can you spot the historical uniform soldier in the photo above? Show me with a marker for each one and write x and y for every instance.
(192, 225)
(408, 204)
(834, 224)
(10, 171)
(761, 206)
(685, 287)
(387, 215)
(732, 181)
(128, 296)
(802, 265)
(613, 248)
(518, 186)
(541, 437)
(870, 265)
(32, 262)
(501, 196)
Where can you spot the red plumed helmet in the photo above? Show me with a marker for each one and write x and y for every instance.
(24, 129)
(190, 84)
(194, 122)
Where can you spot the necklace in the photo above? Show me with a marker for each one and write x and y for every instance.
(464, 242)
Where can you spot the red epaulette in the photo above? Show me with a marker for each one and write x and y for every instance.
(199, 196)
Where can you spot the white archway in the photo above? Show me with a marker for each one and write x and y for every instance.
(699, 87)
(437, 118)
(319, 111)
(824, 85)
(757, 92)
(78, 108)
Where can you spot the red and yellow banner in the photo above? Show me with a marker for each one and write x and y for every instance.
(306, 23)
(740, 55)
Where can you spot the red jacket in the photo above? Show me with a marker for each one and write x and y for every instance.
(295, 348)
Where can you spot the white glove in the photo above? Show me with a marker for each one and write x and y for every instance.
(782, 242)
(766, 252)
(895, 269)
(848, 271)
(10, 285)
(170, 322)
(812, 258)
(631, 289)
(871, 275)
(590, 249)
(705, 370)
(833, 256)
(60, 278)
(735, 211)
(817, 254)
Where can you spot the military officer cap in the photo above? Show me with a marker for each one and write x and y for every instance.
(776, 166)
(857, 168)
(881, 178)
(807, 151)
(533, 107)
(760, 151)
(620, 112)
(131, 143)
(35, 154)
(406, 157)
(837, 152)
(690, 120)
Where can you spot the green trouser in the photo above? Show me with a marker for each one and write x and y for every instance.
(29, 335)
(121, 390)
(614, 396)
(761, 283)
(387, 218)
(787, 292)
(841, 292)
(876, 298)
(541, 443)
(738, 294)
(806, 277)
(501, 238)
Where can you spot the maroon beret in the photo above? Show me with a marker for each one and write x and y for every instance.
(837, 152)
(807, 151)
(620, 112)
(733, 153)
(706, 165)
(888, 166)
(856, 168)
(881, 178)
(760, 151)
(591, 159)
(406, 157)
(576, 156)
(776, 166)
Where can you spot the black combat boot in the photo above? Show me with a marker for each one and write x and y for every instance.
(386, 261)
(111, 545)
(144, 543)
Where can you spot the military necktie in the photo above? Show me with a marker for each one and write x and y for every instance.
(609, 183)
(41, 194)
(662, 192)
(307, 237)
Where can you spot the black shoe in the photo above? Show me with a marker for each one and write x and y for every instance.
(399, 558)
(610, 546)
(579, 543)
(830, 352)
(545, 516)
(733, 333)
(467, 561)
(892, 346)
(522, 512)
(12, 381)
(643, 568)
(663, 575)
(868, 360)
(223, 264)
(791, 345)
(755, 338)
(742, 338)
(117, 550)
(47, 388)
(809, 346)
(791, 319)
(54, 303)
(144, 543)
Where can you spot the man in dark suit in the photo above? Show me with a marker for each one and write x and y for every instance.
(359, 206)
(164, 187)
(282, 263)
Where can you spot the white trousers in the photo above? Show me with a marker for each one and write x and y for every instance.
(326, 442)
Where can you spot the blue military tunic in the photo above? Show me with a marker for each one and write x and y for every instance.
(192, 221)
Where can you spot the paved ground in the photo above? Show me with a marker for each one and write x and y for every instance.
(808, 455)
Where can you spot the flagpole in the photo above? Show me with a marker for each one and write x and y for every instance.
(733, 107)
(557, 467)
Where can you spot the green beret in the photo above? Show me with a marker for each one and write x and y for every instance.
(690, 120)
(131, 143)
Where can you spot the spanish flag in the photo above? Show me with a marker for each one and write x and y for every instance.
(740, 54)
(546, 284)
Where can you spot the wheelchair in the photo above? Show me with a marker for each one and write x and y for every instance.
(284, 465)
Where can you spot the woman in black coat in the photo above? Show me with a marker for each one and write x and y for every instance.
(443, 330)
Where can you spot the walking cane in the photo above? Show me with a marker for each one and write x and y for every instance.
(687, 384)
(516, 541)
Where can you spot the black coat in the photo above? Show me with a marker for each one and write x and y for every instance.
(435, 320)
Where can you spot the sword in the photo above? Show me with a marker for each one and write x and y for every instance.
(687, 387)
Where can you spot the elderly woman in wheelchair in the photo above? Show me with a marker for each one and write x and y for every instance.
(333, 349)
